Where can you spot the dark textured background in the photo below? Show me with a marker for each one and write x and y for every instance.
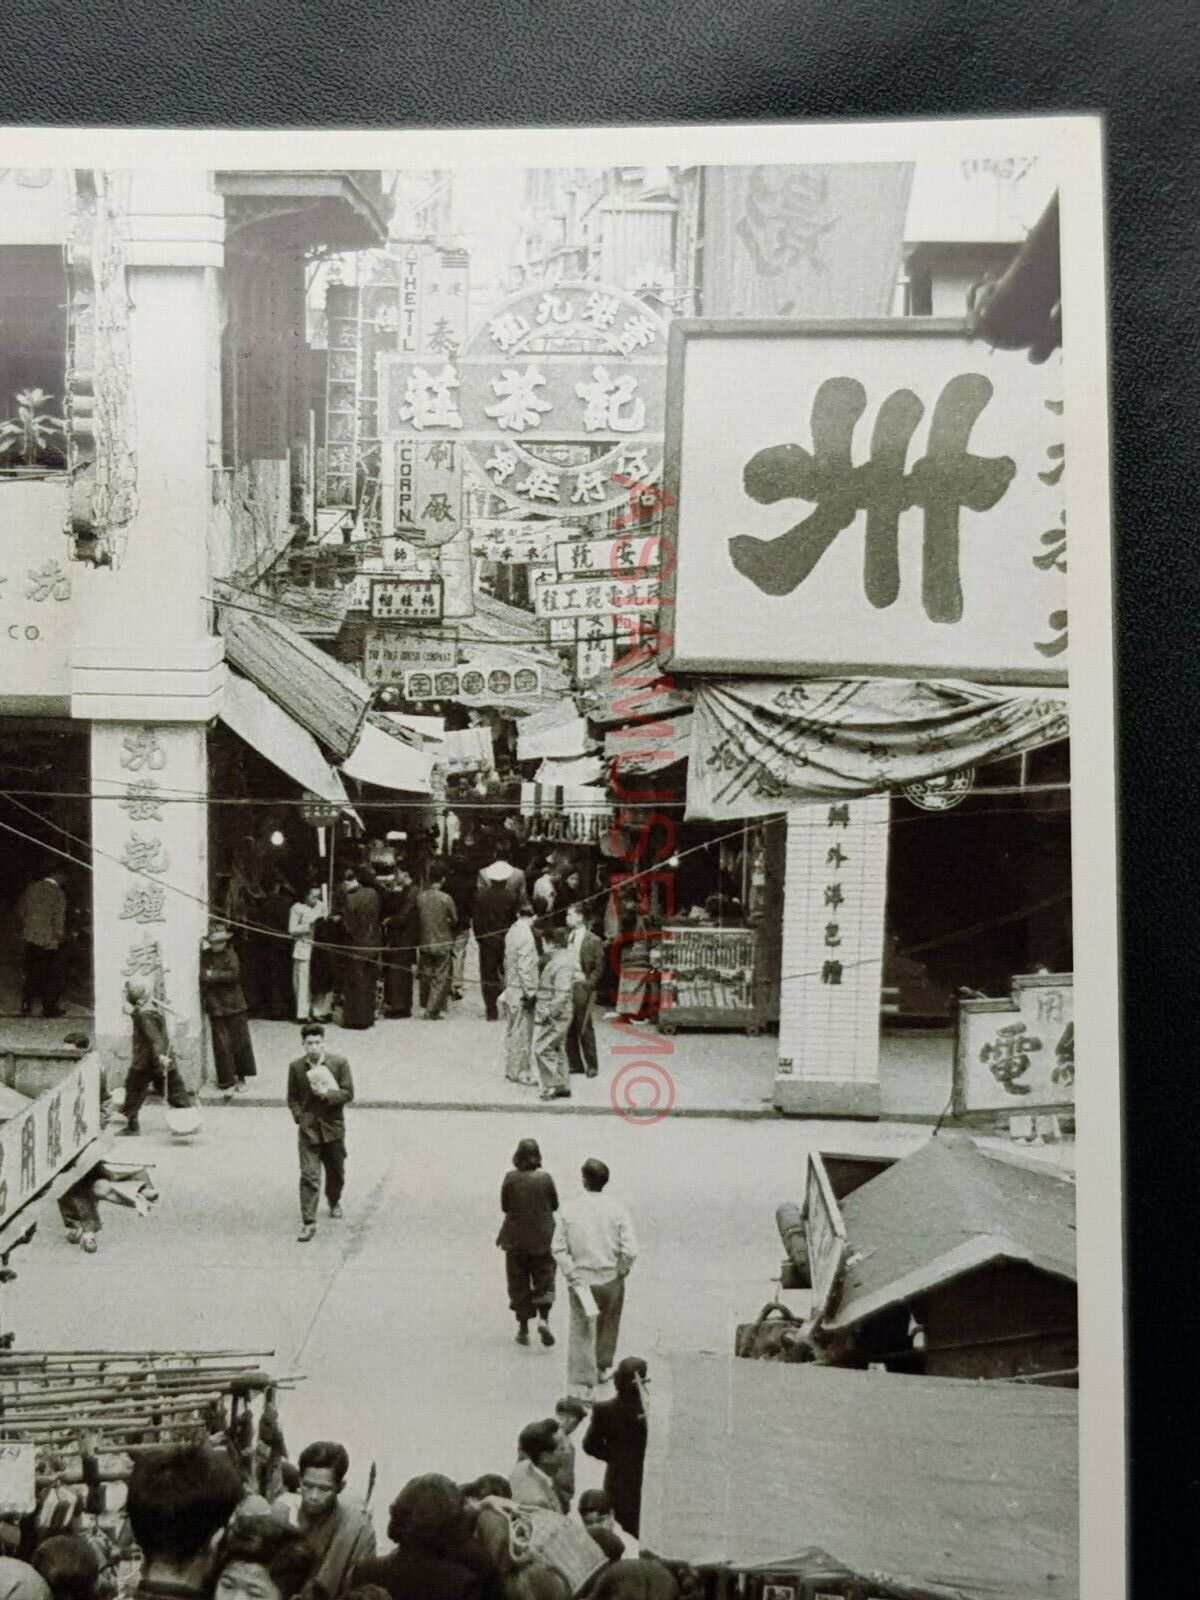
(469, 63)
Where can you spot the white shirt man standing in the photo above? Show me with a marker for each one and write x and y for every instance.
(595, 1248)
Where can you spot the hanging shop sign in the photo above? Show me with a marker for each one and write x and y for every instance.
(943, 793)
(623, 630)
(388, 653)
(476, 683)
(602, 558)
(514, 542)
(36, 614)
(405, 559)
(1016, 1056)
(406, 599)
(604, 597)
(465, 750)
(318, 813)
(559, 397)
(891, 503)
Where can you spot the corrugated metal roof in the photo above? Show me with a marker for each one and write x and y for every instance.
(942, 1212)
(318, 692)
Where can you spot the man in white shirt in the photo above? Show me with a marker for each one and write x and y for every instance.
(595, 1247)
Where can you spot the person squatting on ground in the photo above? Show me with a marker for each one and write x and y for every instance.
(617, 1436)
(151, 1057)
(595, 1248)
(553, 1010)
(587, 955)
(438, 916)
(338, 1528)
(520, 995)
(221, 988)
(529, 1200)
(319, 1088)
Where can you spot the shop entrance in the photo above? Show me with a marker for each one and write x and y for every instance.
(45, 827)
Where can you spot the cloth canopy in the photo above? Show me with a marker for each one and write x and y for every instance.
(256, 718)
(389, 762)
(963, 1489)
(650, 746)
(763, 745)
(569, 774)
(555, 740)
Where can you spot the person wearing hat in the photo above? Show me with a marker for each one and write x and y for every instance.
(529, 1200)
(221, 988)
(617, 1436)
(151, 1057)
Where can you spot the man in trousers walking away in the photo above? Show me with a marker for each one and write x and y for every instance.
(552, 1013)
(319, 1087)
(595, 1247)
(150, 1058)
(529, 1200)
(520, 996)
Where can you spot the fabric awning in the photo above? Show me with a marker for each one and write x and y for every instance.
(389, 762)
(958, 1488)
(637, 688)
(316, 691)
(768, 745)
(256, 718)
(650, 746)
(560, 739)
(569, 774)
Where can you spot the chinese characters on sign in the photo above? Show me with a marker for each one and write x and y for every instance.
(599, 558)
(880, 509)
(388, 653)
(406, 599)
(603, 597)
(554, 395)
(1017, 1055)
(40, 1141)
(143, 855)
(475, 683)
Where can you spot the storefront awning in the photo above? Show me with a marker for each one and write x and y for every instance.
(558, 736)
(569, 774)
(650, 746)
(256, 718)
(316, 691)
(389, 762)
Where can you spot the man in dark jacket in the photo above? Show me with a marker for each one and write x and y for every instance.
(319, 1087)
(617, 1436)
(422, 1520)
(588, 954)
(360, 916)
(151, 1059)
(221, 987)
(529, 1200)
(401, 937)
(499, 891)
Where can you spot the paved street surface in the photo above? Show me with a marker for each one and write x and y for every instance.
(397, 1314)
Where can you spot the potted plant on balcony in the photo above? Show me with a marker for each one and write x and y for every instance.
(33, 441)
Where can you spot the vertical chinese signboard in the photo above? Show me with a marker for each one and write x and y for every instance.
(834, 892)
(40, 1141)
(867, 498)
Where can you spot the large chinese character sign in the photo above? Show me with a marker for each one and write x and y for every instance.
(873, 497)
(559, 398)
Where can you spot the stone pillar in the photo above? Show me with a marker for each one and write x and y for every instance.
(145, 670)
(149, 879)
(835, 890)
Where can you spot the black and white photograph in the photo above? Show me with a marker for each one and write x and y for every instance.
(556, 841)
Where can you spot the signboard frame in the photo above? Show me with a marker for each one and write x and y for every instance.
(826, 1256)
(393, 582)
(686, 332)
(963, 1103)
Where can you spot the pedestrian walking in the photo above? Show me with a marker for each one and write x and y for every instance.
(360, 916)
(461, 887)
(151, 1059)
(225, 1004)
(338, 1529)
(552, 1016)
(42, 913)
(319, 1088)
(520, 996)
(595, 1248)
(302, 921)
(587, 955)
(437, 914)
(401, 939)
(529, 1200)
(617, 1436)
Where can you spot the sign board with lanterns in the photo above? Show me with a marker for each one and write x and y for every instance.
(475, 683)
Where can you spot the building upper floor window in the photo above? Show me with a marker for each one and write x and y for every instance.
(33, 359)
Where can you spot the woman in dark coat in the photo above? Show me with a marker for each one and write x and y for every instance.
(617, 1436)
(221, 988)
(529, 1200)
(364, 936)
